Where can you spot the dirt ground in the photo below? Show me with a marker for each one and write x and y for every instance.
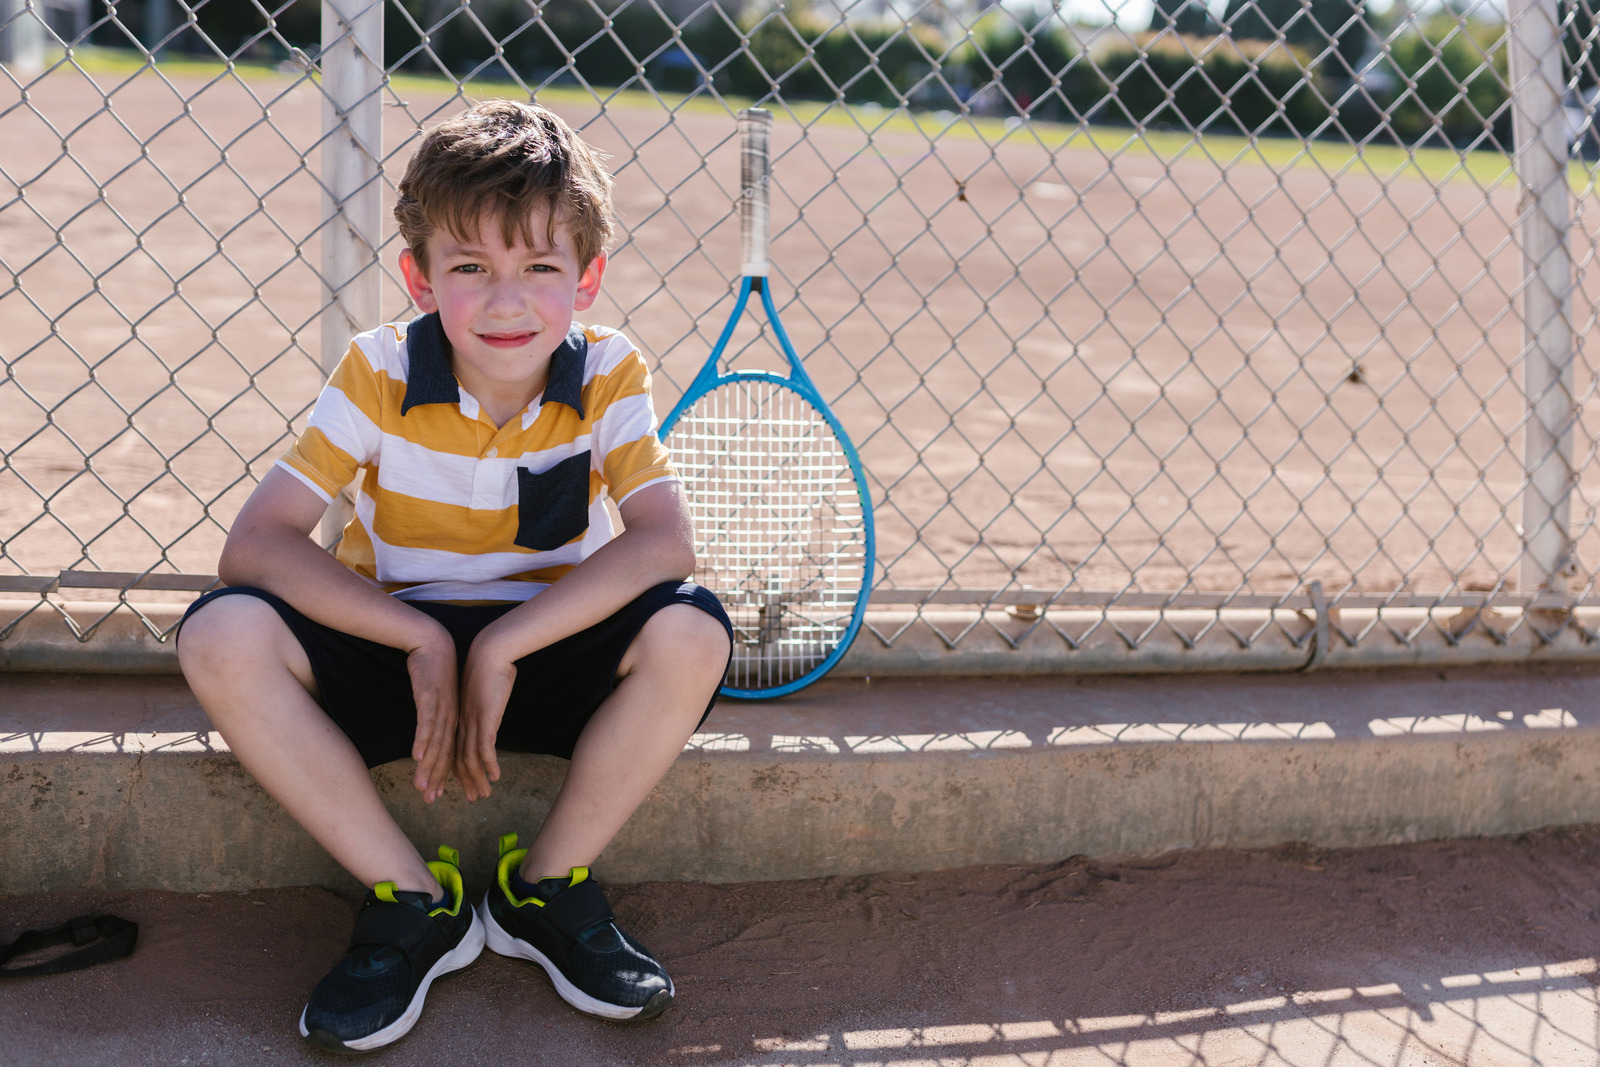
(1073, 363)
(1462, 952)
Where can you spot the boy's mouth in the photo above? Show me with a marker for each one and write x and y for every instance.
(506, 340)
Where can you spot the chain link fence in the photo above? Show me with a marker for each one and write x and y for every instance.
(1228, 335)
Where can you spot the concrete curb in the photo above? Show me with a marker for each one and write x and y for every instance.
(852, 778)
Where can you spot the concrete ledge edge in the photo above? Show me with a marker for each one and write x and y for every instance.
(106, 821)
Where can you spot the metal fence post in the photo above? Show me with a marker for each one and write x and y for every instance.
(1545, 208)
(352, 147)
(21, 37)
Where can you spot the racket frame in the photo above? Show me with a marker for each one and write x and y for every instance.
(797, 381)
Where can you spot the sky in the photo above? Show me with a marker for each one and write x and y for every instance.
(1135, 14)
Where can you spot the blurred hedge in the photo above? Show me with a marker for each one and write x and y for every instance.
(1452, 79)
(1211, 84)
(1441, 78)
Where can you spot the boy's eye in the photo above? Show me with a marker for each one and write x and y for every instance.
(543, 268)
(467, 268)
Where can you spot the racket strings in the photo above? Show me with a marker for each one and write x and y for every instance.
(780, 525)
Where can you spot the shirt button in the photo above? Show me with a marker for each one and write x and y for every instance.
(493, 452)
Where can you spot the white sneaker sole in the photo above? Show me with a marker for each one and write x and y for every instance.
(464, 953)
(504, 944)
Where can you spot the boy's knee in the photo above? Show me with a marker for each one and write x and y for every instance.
(224, 629)
(686, 635)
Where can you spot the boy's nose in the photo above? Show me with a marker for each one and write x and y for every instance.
(505, 300)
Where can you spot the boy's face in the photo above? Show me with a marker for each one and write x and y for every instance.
(503, 309)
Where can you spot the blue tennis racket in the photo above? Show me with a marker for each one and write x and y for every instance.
(783, 521)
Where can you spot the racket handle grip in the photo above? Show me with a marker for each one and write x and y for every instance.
(755, 214)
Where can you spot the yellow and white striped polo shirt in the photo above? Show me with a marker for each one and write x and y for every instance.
(447, 506)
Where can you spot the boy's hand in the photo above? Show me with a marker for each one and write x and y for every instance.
(432, 666)
(485, 688)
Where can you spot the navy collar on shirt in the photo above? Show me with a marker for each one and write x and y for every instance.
(431, 381)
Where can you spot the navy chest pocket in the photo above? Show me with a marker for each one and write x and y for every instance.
(553, 505)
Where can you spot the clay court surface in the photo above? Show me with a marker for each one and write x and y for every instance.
(1058, 363)
(1454, 953)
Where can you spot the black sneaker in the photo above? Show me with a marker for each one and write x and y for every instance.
(374, 995)
(568, 929)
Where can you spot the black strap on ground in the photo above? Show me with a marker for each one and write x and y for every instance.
(101, 939)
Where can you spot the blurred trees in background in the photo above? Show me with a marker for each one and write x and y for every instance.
(1331, 68)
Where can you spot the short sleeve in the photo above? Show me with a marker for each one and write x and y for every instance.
(343, 433)
(626, 450)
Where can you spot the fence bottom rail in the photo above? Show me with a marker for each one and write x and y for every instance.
(126, 637)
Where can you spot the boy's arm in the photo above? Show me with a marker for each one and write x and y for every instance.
(655, 546)
(269, 546)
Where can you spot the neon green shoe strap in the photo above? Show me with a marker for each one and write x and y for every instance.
(454, 889)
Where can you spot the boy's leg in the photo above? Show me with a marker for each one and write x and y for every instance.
(547, 909)
(667, 677)
(255, 683)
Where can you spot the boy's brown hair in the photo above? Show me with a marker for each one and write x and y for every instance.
(505, 159)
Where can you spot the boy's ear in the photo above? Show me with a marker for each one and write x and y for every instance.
(589, 284)
(417, 283)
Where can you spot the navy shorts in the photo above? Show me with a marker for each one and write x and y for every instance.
(366, 690)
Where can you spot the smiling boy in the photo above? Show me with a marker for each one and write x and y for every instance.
(479, 598)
